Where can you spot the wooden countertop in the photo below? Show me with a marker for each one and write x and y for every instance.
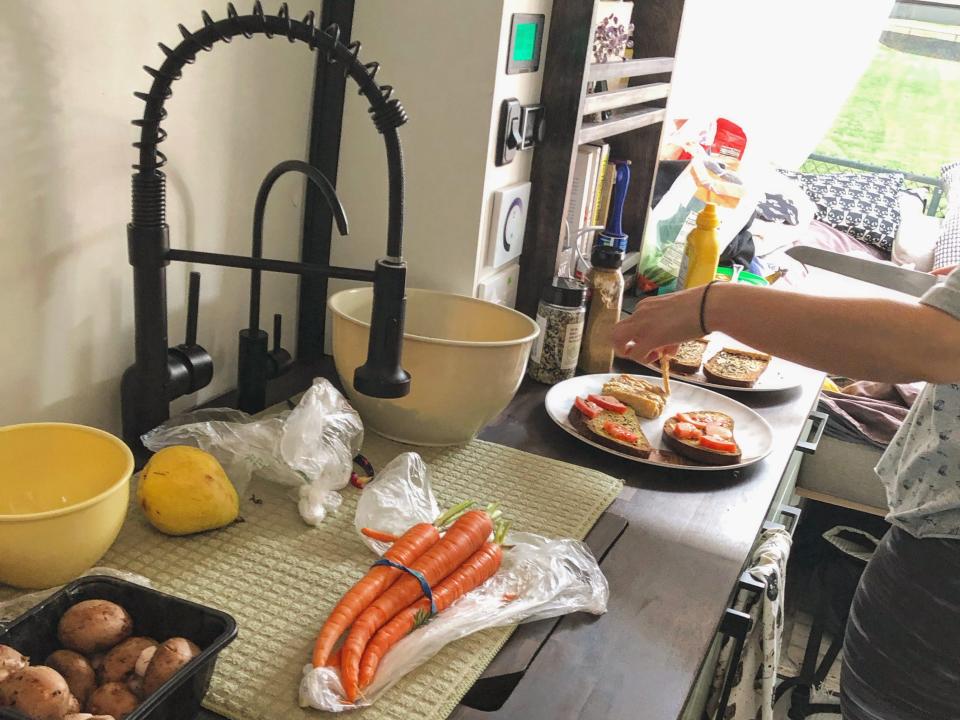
(671, 572)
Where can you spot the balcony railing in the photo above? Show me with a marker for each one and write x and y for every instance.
(824, 164)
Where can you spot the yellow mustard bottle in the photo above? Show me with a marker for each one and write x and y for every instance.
(700, 259)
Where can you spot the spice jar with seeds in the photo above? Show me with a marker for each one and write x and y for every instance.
(560, 316)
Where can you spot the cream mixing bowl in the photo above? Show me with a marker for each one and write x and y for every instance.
(466, 358)
(64, 491)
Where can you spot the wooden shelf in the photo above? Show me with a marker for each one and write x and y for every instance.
(590, 131)
(613, 99)
(633, 131)
(630, 68)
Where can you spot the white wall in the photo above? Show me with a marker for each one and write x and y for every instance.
(447, 62)
(67, 73)
(526, 88)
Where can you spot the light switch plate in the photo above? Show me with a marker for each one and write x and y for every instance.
(508, 223)
(501, 287)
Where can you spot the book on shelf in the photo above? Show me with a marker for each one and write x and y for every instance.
(585, 191)
(578, 199)
(595, 218)
(605, 193)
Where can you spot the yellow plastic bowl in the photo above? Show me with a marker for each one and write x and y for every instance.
(466, 357)
(63, 498)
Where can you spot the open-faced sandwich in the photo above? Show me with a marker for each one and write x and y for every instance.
(736, 367)
(689, 357)
(705, 436)
(645, 398)
(607, 421)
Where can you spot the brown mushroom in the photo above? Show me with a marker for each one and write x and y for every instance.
(11, 661)
(76, 671)
(38, 692)
(113, 699)
(169, 657)
(121, 662)
(93, 626)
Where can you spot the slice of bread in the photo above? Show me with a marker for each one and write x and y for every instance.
(689, 357)
(696, 452)
(736, 367)
(592, 428)
(645, 398)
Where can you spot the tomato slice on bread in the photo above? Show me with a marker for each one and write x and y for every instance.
(719, 432)
(687, 431)
(589, 409)
(620, 432)
(718, 444)
(608, 402)
(691, 419)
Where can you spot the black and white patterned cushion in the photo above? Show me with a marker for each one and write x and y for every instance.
(863, 205)
(947, 252)
(777, 208)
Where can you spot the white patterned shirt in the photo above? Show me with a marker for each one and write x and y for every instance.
(921, 467)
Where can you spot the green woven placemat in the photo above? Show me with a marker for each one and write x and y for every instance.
(280, 578)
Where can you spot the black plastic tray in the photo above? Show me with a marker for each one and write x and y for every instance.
(155, 615)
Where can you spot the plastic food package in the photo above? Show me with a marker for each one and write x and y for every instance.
(539, 578)
(310, 447)
(725, 179)
(10, 609)
(719, 137)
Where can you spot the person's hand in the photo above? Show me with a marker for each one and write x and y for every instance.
(944, 271)
(658, 325)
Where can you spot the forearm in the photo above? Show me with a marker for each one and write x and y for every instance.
(868, 339)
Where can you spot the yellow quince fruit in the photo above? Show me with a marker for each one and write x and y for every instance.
(184, 490)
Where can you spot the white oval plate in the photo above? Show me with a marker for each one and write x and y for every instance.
(752, 432)
(780, 374)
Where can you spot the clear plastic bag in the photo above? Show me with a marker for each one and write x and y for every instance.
(310, 448)
(539, 578)
(400, 498)
(19, 604)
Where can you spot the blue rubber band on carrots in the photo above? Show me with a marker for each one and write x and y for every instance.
(424, 585)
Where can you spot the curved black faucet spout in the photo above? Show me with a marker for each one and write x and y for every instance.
(256, 363)
(259, 209)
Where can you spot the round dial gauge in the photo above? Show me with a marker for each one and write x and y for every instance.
(513, 224)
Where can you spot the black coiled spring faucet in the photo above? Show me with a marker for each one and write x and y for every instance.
(160, 373)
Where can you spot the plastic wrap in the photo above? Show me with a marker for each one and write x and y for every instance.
(15, 606)
(310, 447)
(539, 578)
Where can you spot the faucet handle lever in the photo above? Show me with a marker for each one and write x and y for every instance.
(280, 360)
(189, 366)
(193, 309)
(277, 321)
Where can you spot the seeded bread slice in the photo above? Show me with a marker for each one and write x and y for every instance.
(693, 450)
(592, 428)
(736, 367)
(645, 398)
(689, 357)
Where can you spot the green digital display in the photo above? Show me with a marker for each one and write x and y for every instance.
(524, 41)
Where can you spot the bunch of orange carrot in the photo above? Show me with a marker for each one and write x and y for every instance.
(388, 602)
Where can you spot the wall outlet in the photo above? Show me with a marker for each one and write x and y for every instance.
(501, 287)
(508, 223)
